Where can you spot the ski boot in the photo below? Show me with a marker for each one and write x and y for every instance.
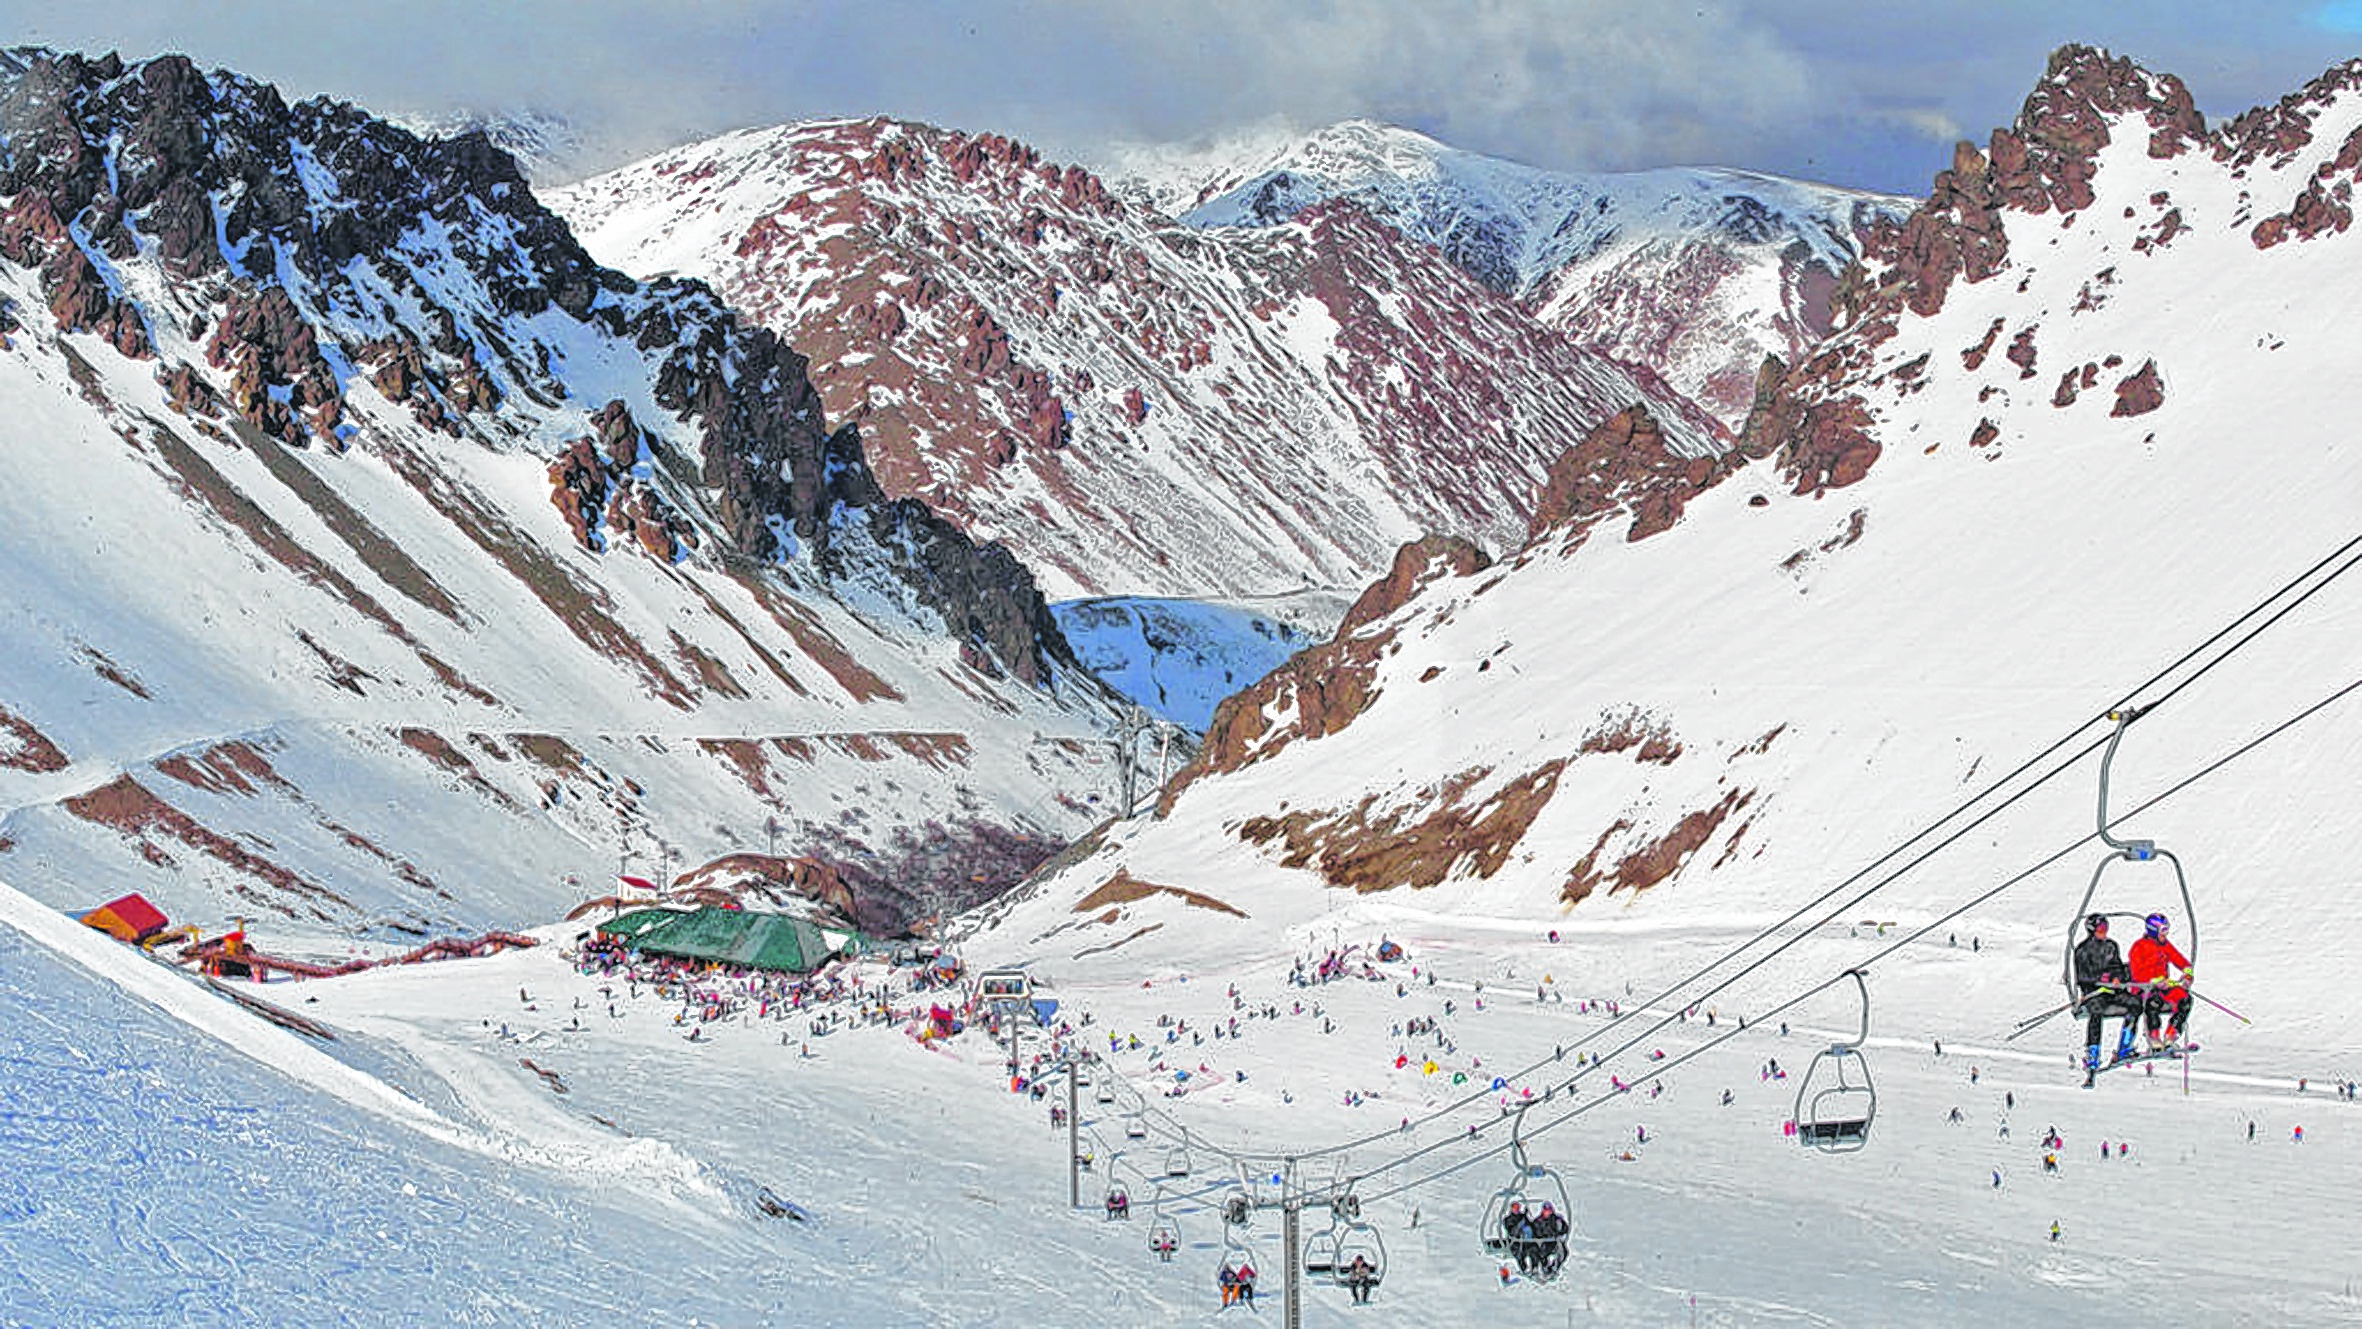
(2091, 1064)
(2124, 1048)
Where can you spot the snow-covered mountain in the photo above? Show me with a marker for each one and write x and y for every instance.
(1697, 273)
(373, 562)
(1133, 405)
(1703, 695)
(2088, 412)
(1181, 658)
(548, 146)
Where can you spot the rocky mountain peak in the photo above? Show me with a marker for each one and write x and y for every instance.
(306, 248)
(1103, 388)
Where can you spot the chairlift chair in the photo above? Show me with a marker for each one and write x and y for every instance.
(1177, 1161)
(1359, 1239)
(1320, 1253)
(1533, 1186)
(1164, 1238)
(1237, 1209)
(1164, 1226)
(1135, 1127)
(1836, 1100)
(2124, 851)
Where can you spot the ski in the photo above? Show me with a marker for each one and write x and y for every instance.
(2175, 1053)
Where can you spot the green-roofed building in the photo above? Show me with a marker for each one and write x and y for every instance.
(741, 937)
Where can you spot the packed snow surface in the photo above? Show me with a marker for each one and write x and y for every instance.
(233, 1181)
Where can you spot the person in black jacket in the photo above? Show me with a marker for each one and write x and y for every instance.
(1550, 1230)
(2100, 976)
(1519, 1230)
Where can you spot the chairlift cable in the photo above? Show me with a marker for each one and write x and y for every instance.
(1659, 1071)
(2346, 551)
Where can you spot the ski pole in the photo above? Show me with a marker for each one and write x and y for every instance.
(2029, 1025)
(2220, 1007)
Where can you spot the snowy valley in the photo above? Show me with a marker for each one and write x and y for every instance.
(381, 564)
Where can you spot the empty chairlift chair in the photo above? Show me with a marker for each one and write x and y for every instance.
(1837, 1100)
(1320, 1254)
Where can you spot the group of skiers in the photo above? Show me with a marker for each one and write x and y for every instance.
(2140, 987)
(1238, 1283)
(1536, 1240)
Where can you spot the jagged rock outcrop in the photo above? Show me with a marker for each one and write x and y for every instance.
(1821, 434)
(1320, 691)
(295, 239)
(1623, 465)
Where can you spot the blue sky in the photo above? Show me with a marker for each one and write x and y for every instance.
(1852, 93)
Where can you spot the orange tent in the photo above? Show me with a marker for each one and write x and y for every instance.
(131, 919)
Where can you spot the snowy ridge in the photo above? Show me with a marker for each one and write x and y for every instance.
(1132, 405)
(1181, 658)
(547, 145)
(1937, 562)
(1859, 651)
(378, 566)
(1696, 272)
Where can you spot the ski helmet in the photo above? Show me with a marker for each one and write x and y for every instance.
(2156, 925)
(2096, 923)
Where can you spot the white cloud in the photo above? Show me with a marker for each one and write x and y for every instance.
(1929, 123)
(1579, 83)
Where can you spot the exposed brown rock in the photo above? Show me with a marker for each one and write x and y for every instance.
(1124, 888)
(128, 807)
(270, 349)
(1415, 565)
(2021, 352)
(80, 301)
(2140, 392)
(1366, 849)
(24, 748)
(1651, 863)
(189, 392)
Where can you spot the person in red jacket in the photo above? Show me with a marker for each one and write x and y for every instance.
(2151, 963)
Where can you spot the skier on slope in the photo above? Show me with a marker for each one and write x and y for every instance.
(2100, 972)
(2153, 958)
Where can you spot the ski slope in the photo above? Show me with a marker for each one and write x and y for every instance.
(413, 1168)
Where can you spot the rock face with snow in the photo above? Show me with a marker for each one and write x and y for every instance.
(1180, 658)
(1131, 404)
(2088, 409)
(1696, 273)
(343, 468)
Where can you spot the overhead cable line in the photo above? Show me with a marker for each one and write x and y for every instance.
(2351, 554)
(1659, 1071)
